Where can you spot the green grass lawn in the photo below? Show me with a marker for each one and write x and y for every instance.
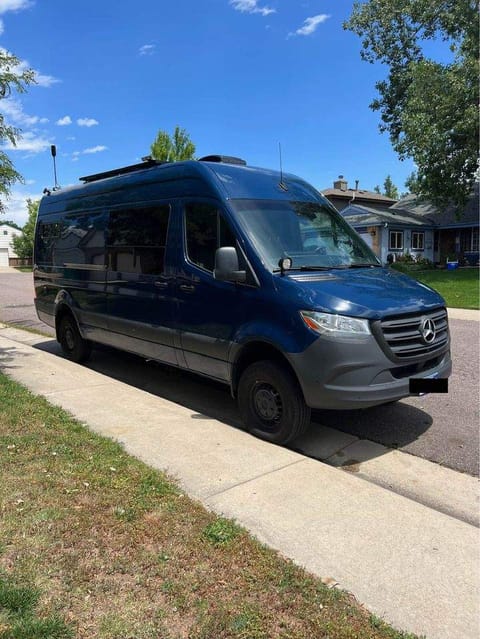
(459, 287)
(94, 543)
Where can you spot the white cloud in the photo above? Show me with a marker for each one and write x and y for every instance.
(95, 149)
(87, 122)
(147, 49)
(65, 121)
(13, 109)
(251, 6)
(310, 25)
(14, 5)
(41, 79)
(16, 206)
(30, 142)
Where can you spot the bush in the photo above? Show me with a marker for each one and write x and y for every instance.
(408, 262)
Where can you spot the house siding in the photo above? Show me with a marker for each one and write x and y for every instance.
(7, 233)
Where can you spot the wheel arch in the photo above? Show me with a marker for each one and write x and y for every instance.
(63, 306)
(255, 351)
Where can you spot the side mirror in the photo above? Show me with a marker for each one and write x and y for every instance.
(226, 265)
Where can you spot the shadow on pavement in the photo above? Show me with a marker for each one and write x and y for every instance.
(6, 357)
(393, 425)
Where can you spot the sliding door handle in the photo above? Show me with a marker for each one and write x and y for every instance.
(187, 288)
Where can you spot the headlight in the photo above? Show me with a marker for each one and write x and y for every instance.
(329, 324)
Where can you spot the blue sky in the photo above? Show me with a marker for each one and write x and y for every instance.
(239, 75)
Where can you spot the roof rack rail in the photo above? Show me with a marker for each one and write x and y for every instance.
(146, 164)
(224, 159)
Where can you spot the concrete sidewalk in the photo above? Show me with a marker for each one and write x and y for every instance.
(416, 567)
(464, 314)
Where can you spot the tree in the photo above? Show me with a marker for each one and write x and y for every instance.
(173, 148)
(412, 184)
(12, 77)
(389, 189)
(23, 244)
(429, 108)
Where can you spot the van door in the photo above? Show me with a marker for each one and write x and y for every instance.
(140, 285)
(209, 311)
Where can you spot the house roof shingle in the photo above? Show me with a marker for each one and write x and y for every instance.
(360, 194)
(448, 217)
(359, 215)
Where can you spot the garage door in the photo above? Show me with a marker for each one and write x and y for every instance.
(367, 238)
(3, 256)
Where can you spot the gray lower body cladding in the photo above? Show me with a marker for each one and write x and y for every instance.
(341, 374)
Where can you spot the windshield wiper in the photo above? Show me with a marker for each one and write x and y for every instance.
(313, 267)
(305, 268)
(316, 268)
(364, 265)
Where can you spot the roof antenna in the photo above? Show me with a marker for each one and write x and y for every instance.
(53, 151)
(281, 184)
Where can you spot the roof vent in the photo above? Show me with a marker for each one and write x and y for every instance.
(224, 159)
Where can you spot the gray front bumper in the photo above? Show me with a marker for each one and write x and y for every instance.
(345, 374)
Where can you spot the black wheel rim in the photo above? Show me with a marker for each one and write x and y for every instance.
(69, 337)
(267, 404)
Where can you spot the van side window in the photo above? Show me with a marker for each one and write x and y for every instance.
(136, 240)
(206, 230)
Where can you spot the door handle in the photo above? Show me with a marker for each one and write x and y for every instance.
(160, 284)
(188, 288)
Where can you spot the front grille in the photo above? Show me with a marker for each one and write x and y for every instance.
(403, 335)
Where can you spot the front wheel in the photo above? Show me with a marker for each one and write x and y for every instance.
(271, 403)
(73, 345)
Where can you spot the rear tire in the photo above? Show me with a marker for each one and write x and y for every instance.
(271, 403)
(73, 345)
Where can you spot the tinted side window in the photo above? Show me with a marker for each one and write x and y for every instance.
(206, 230)
(77, 239)
(46, 236)
(136, 240)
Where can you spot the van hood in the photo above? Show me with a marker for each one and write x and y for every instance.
(373, 293)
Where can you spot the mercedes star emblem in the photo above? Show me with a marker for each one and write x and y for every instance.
(427, 329)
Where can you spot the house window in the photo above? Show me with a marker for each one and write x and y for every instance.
(396, 240)
(469, 240)
(418, 241)
(5, 232)
(474, 239)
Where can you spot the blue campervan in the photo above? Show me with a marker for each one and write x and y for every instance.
(245, 275)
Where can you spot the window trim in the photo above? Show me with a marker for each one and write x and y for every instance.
(475, 239)
(418, 235)
(395, 248)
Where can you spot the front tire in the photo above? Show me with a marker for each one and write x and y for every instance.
(73, 345)
(271, 403)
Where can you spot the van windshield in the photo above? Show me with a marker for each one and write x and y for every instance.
(312, 235)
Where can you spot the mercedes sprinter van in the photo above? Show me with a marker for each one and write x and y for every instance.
(244, 275)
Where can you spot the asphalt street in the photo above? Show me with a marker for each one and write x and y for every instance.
(440, 428)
